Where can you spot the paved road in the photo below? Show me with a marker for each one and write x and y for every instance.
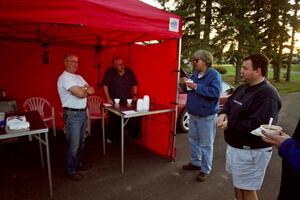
(147, 176)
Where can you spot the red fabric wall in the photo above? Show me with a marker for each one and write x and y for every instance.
(23, 75)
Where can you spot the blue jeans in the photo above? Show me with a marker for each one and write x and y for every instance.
(75, 127)
(202, 131)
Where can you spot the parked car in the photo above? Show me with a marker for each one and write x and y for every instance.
(184, 116)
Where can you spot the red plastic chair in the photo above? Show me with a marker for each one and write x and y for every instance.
(94, 110)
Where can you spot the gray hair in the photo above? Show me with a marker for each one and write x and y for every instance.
(205, 56)
(69, 55)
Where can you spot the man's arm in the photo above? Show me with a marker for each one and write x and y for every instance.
(80, 92)
(134, 92)
(89, 89)
(290, 151)
(288, 148)
(213, 90)
(106, 93)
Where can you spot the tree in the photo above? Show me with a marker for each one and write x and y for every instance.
(235, 26)
(239, 27)
(197, 23)
(275, 33)
(295, 25)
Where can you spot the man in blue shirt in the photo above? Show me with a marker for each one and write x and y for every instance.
(204, 91)
(289, 150)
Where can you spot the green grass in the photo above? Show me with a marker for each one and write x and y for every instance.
(296, 67)
(282, 86)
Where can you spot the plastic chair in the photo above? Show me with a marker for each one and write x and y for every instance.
(43, 107)
(94, 110)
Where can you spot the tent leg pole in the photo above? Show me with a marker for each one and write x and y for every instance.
(122, 145)
(177, 95)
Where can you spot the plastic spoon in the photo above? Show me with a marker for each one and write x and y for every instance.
(270, 123)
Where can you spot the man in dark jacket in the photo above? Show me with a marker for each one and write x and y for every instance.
(251, 105)
(121, 83)
(289, 150)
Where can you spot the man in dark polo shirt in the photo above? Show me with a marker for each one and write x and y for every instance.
(120, 82)
(251, 104)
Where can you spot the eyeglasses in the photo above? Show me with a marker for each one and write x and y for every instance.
(73, 61)
(195, 60)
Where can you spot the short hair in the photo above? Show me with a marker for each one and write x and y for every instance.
(259, 61)
(68, 55)
(205, 56)
(116, 58)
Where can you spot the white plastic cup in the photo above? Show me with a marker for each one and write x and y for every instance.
(189, 81)
(117, 101)
(129, 101)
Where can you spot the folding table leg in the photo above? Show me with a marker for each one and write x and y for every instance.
(122, 144)
(103, 132)
(49, 165)
(41, 151)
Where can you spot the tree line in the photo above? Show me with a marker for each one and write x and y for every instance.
(231, 29)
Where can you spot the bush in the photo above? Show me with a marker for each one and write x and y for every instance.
(220, 69)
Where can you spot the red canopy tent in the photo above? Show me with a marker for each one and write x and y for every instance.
(34, 36)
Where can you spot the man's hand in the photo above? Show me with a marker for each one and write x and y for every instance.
(110, 101)
(275, 140)
(191, 85)
(184, 79)
(134, 98)
(90, 90)
(222, 121)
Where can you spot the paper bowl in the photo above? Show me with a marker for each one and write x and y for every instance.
(273, 129)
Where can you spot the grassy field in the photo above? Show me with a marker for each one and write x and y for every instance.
(282, 86)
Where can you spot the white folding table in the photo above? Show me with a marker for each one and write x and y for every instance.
(36, 129)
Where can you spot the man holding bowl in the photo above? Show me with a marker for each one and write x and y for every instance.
(251, 105)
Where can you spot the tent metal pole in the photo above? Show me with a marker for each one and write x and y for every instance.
(177, 96)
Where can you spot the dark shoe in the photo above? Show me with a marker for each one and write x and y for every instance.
(190, 166)
(201, 177)
(83, 168)
(75, 177)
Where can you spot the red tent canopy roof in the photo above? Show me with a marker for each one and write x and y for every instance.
(105, 22)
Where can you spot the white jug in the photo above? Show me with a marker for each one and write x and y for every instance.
(140, 105)
(146, 102)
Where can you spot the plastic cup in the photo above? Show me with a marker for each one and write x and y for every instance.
(189, 81)
(129, 101)
(117, 101)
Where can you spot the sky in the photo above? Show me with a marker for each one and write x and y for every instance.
(152, 3)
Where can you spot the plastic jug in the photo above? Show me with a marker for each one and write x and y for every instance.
(146, 102)
(139, 105)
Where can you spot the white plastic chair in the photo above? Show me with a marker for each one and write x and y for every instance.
(94, 110)
(43, 107)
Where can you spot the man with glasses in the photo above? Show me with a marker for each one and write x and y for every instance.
(204, 91)
(73, 90)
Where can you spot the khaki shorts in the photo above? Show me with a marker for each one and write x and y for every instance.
(247, 166)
